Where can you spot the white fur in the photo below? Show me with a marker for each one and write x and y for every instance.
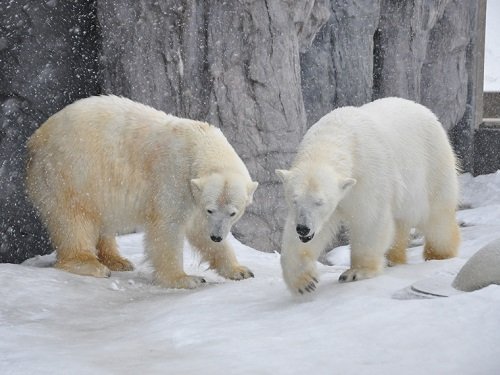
(381, 169)
(105, 165)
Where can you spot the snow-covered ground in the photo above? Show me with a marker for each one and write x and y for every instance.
(52, 322)
(492, 47)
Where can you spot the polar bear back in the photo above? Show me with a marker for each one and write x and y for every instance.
(419, 148)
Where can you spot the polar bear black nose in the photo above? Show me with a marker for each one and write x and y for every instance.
(216, 238)
(302, 230)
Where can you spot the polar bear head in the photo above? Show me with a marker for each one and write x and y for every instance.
(312, 196)
(221, 199)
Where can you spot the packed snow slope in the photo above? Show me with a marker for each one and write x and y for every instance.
(53, 322)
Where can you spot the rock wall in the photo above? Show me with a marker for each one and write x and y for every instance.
(428, 55)
(261, 70)
(47, 60)
(415, 49)
(338, 68)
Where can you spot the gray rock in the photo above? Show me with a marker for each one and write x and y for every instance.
(338, 69)
(401, 45)
(413, 49)
(444, 70)
(481, 270)
(47, 60)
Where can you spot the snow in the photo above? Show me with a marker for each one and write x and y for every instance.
(492, 47)
(53, 322)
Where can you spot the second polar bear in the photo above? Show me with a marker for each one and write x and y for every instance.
(381, 169)
(105, 165)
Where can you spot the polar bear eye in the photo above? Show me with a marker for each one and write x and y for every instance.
(232, 214)
(210, 212)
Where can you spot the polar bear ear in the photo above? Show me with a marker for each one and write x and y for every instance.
(252, 186)
(196, 186)
(346, 184)
(282, 174)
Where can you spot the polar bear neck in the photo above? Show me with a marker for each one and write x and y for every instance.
(330, 143)
(214, 154)
(204, 145)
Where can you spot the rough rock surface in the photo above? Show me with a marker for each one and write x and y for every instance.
(46, 61)
(338, 69)
(372, 49)
(426, 54)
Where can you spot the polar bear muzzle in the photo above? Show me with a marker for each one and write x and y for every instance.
(306, 238)
(216, 238)
(303, 231)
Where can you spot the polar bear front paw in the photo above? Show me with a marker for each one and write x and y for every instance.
(354, 274)
(236, 273)
(117, 263)
(303, 283)
(84, 266)
(182, 282)
(299, 273)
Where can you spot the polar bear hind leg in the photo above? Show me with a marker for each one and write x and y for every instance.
(74, 238)
(442, 235)
(108, 254)
(370, 240)
(397, 252)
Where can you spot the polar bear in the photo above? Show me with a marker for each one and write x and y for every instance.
(106, 165)
(381, 169)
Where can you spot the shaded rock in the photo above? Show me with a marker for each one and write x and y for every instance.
(481, 270)
(47, 60)
(338, 69)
